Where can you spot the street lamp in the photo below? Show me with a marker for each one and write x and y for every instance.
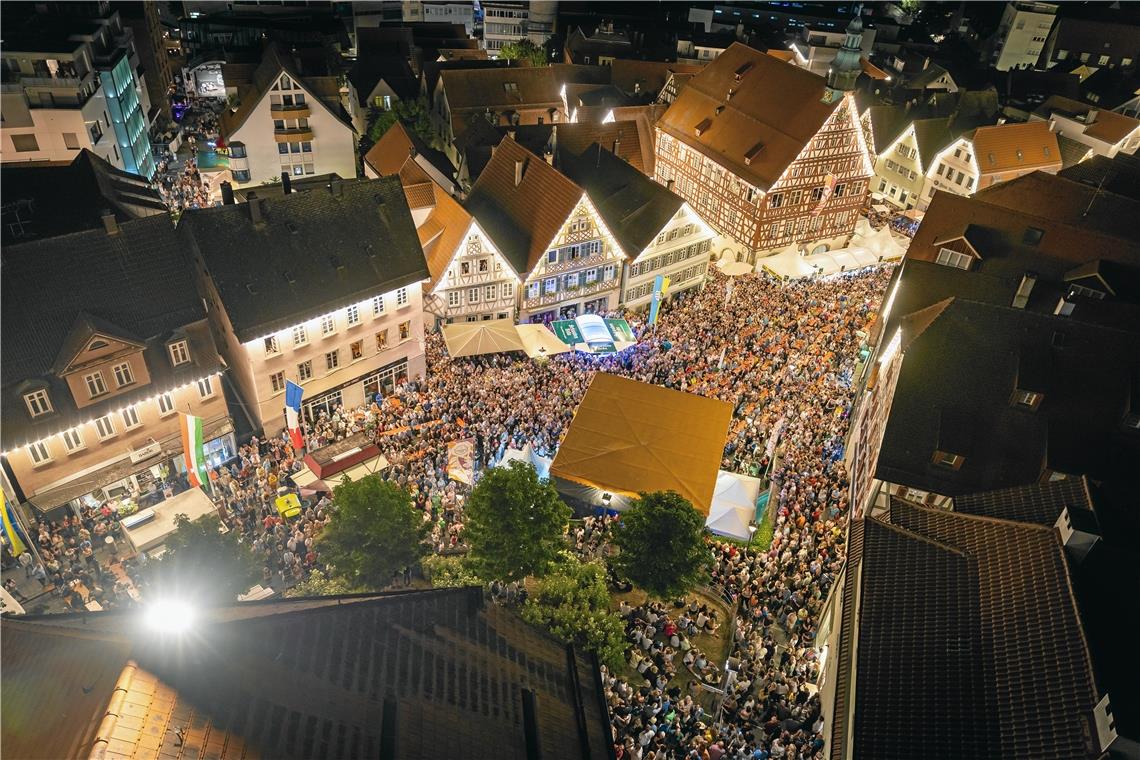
(170, 616)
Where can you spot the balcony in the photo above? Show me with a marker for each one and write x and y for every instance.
(301, 111)
(293, 135)
(558, 297)
(572, 264)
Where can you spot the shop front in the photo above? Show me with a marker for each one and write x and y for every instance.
(358, 391)
(143, 478)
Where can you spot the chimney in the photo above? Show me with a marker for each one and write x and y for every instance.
(617, 143)
(411, 151)
(227, 194)
(254, 204)
(286, 183)
(335, 188)
(1090, 117)
(518, 172)
(110, 223)
(669, 185)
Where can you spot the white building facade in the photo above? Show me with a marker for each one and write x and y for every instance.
(1022, 33)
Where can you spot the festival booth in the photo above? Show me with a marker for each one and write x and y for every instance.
(477, 338)
(149, 528)
(356, 457)
(841, 260)
(880, 243)
(734, 505)
(628, 437)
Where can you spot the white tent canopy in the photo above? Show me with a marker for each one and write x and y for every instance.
(842, 260)
(786, 263)
(536, 338)
(734, 505)
(527, 454)
(734, 268)
(485, 337)
(883, 245)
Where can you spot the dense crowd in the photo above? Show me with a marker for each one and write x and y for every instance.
(178, 177)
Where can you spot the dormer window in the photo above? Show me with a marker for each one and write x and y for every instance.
(1081, 290)
(272, 347)
(948, 460)
(1027, 399)
(95, 385)
(97, 344)
(38, 402)
(949, 258)
(123, 374)
(179, 352)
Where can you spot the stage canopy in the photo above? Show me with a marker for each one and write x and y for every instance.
(628, 437)
(734, 505)
(537, 337)
(881, 243)
(734, 268)
(487, 337)
(787, 263)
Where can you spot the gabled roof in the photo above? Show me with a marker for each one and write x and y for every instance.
(1007, 147)
(634, 207)
(57, 199)
(86, 327)
(635, 77)
(274, 63)
(399, 144)
(521, 219)
(442, 232)
(1104, 125)
(773, 104)
(534, 87)
(416, 675)
(393, 69)
(931, 136)
(312, 252)
(1072, 152)
(969, 635)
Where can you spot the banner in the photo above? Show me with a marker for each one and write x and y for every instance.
(620, 330)
(461, 461)
(567, 331)
(828, 189)
(17, 541)
(193, 453)
(660, 288)
(293, 395)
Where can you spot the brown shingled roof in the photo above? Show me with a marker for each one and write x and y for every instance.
(1037, 503)
(443, 232)
(1016, 146)
(646, 76)
(1108, 126)
(772, 103)
(522, 219)
(391, 151)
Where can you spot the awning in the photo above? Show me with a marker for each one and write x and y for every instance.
(486, 337)
(193, 503)
(734, 505)
(536, 338)
(51, 498)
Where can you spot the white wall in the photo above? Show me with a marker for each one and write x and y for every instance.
(334, 148)
(1019, 48)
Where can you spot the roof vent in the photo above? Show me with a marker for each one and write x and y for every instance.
(254, 204)
(291, 227)
(110, 223)
(744, 69)
(289, 277)
(718, 110)
(251, 288)
(731, 92)
(753, 152)
(337, 264)
(703, 126)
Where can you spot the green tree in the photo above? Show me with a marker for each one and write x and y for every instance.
(662, 544)
(573, 603)
(319, 584)
(524, 51)
(450, 572)
(374, 533)
(412, 113)
(202, 565)
(514, 524)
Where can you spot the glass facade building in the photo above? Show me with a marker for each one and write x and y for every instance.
(124, 108)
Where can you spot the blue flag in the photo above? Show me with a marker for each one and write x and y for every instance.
(659, 285)
(293, 394)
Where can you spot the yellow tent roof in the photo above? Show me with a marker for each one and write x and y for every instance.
(628, 437)
(536, 337)
(486, 337)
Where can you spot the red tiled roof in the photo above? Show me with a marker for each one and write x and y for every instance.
(1008, 147)
(772, 103)
(521, 219)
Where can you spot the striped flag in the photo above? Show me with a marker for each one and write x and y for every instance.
(293, 395)
(193, 454)
(17, 541)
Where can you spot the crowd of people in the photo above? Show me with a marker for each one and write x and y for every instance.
(178, 178)
(782, 353)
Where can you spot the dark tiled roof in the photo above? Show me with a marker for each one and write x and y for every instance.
(1037, 503)
(140, 281)
(1072, 152)
(1119, 175)
(1038, 690)
(966, 362)
(393, 69)
(312, 252)
(634, 207)
(920, 689)
(58, 199)
(430, 674)
(522, 219)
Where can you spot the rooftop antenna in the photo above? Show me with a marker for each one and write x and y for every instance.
(1096, 192)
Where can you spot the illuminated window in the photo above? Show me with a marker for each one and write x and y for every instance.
(381, 340)
(405, 330)
(357, 349)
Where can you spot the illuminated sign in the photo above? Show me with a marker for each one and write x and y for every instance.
(593, 334)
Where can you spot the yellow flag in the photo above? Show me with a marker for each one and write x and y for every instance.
(664, 286)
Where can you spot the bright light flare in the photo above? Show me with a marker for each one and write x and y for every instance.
(170, 616)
